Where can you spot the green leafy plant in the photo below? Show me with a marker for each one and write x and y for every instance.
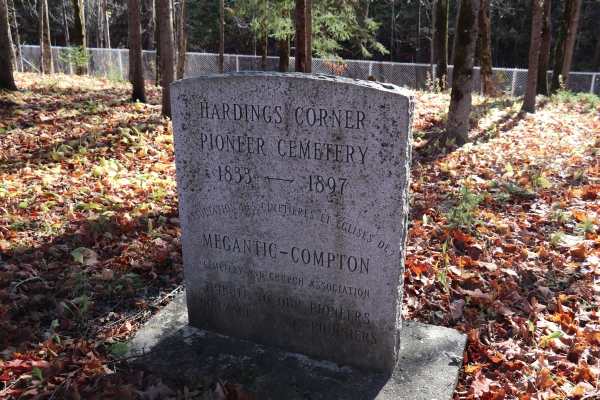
(463, 215)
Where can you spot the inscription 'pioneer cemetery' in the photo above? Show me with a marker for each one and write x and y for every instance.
(293, 195)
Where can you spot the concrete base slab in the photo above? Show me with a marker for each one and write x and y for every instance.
(430, 359)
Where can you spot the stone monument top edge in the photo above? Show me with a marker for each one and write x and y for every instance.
(386, 87)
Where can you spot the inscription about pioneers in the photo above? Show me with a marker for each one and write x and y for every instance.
(293, 196)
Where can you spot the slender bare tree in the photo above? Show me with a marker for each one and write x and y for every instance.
(65, 22)
(560, 51)
(534, 57)
(16, 39)
(135, 50)
(46, 46)
(221, 37)
(80, 36)
(542, 80)
(105, 28)
(182, 41)
(300, 36)
(165, 25)
(441, 31)
(284, 49)
(485, 48)
(459, 112)
(570, 45)
(309, 21)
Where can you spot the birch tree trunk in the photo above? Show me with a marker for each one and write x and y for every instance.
(163, 7)
(7, 80)
(534, 57)
(459, 112)
(16, 38)
(485, 51)
(135, 51)
(182, 42)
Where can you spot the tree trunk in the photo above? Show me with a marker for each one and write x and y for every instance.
(47, 65)
(16, 38)
(442, 42)
(570, 45)
(135, 50)
(559, 50)
(284, 49)
(300, 36)
(432, 47)
(459, 112)
(165, 25)
(182, 41)
(418, 31)
(7, 80)
(308, 5)
(596, 53)
(80, 38)
(534, 57)
(65, 22)
(263, 52)
(455, 33)
(221, 37)
(105, 29)
(542, 79)
(151, 25)
(485, 51)
(392, 30)
(157, 53)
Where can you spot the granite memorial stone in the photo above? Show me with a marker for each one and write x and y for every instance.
(293, 198)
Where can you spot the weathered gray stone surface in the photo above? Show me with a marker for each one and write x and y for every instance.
(293, 196)
(430, 358)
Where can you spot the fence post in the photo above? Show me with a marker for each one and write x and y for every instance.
(237, 63)
(371, 68)
(121, 62)
(514, 82)
(593, 83)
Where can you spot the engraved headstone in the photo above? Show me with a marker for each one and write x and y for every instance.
(293, 197)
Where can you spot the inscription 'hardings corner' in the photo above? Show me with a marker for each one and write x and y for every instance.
(293, 192)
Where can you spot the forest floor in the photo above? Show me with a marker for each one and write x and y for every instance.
(504, 241)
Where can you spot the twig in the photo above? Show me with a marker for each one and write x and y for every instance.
(58, 387)
(27, 280)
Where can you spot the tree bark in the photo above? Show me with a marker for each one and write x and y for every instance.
(182, 41)
(559, 50)
(485, 50)
(157, 53)
(166, 48)
(151, 25)
(135, 51)
(459, 112)
(7, 80)
(432, 46)
(80, 37)
(47, 65)
(542, 79)
(596, 53)
(221, 37)
(16, 38)
(263, 52)
(284, 49)
(534, 57)
(308, 5)
(105, 29)
(300, 36)
(65, 22)
(442, 42)
(455, 33)
(570, 45)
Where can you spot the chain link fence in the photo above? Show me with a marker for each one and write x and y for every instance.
(114, 64)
